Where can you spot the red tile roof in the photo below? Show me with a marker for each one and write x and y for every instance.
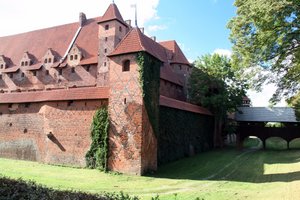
(57, 38)
(172, 103)
(56, 95)
(178, 56)
(10, 69)
(136, 41)
(112, 13)
(33, 67)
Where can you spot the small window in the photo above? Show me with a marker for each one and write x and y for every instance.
(27, 105)
(22, 75)
(75, 57)
(70, 103)
(73, 70)
(1, 66)
(60, 71)
(87, 68)
(105, 50)
(34, 73)
(22, 63)
(71, 57)
(47, 72)
(106, 39)
(180, 67)
(46, 60)
(49, 60)
(106, 27)
(11, 75)
(0, 76)
(10, 105)
(120, 28)
(26, 63)
(126, 66)
(104, 64)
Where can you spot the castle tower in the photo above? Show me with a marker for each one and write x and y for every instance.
(112, 29)
(133, 104)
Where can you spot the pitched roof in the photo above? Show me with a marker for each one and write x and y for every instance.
(172, 103)
(136, 41)
(55, 95)
(112, 13)
(57, 38)
(178, 56)
(265, 114)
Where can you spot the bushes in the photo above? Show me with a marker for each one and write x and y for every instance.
(96, 157)
(19, 189)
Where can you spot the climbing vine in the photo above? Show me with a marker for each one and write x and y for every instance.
(149, 70)
(96, 157)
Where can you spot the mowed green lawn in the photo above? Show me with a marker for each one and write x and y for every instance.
(219, 174)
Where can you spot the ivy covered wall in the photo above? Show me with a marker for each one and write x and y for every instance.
(183, 134)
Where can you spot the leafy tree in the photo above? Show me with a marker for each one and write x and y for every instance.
(295, 103)
(214, 84)
(266, 33)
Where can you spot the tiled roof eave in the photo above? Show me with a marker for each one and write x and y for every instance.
(108, 20)
(132, 52)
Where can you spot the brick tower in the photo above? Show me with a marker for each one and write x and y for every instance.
(112, 29)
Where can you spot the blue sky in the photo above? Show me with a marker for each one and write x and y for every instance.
(198, 26)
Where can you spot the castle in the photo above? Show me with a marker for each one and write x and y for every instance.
(53, 80)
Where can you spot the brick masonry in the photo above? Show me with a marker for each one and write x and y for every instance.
(50, 132)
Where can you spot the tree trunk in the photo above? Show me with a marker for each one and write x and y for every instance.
(218, 140)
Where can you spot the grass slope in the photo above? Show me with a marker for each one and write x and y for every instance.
(227, 174)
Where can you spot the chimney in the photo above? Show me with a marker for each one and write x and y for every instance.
(82, 19)
(153, 38)
(128, 22)
(142, 29)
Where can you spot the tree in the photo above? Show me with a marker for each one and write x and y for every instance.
(267, 34)
(214, 84)
(295, 103)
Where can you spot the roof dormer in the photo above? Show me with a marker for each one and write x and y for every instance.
(49, 58)
(74, 56)
(3, 62)
(27, 59)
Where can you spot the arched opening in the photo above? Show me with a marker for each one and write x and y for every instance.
(126, 66)
(276, 143)
(253, 142)
(295, 143)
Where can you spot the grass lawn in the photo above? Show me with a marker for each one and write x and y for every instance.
(220, 174)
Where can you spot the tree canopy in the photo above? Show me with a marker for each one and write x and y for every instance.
(214, 84)
(266, 33)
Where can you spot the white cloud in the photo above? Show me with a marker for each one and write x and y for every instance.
(223, 52)
(154, 28)
(21, 16)
(261, 99)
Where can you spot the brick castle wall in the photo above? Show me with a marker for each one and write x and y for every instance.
(49, 132)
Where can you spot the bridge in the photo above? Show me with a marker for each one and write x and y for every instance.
(252, 121)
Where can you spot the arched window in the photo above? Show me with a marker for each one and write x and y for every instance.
(120, 28)
(106, 27)
(49, 60)
(45, 61)
(26, 63)
(126, 66)
(71, 57)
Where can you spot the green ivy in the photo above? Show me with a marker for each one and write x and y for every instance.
(96, 157)
(182, 132)
(149, 70)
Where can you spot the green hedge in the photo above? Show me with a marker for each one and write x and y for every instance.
(182, 133)
(19, 189)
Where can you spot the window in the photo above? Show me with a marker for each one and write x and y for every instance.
(70, 103)
(104, 64)
(1, 66)
(71, 57)
(11, 75)
(22, 75)
(22, 63)
(60, 71)
(49, 60)
(47, 72)
(45, 61)
(0, 76)
(27, 105)
(26, 63)
(120, 28)
(105, 50)
(180, 67)
(126, 66)
(73, 70)
(106, 27)
(34, 73)
(75, 57)
(87, 68)
(106, 39)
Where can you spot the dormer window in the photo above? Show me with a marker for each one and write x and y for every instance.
(74, 56)
(49, 57)
(3, 62)
(126, 66)
(27, 59)
(106, 27)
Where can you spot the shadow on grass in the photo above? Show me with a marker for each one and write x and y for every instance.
(250, 165)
